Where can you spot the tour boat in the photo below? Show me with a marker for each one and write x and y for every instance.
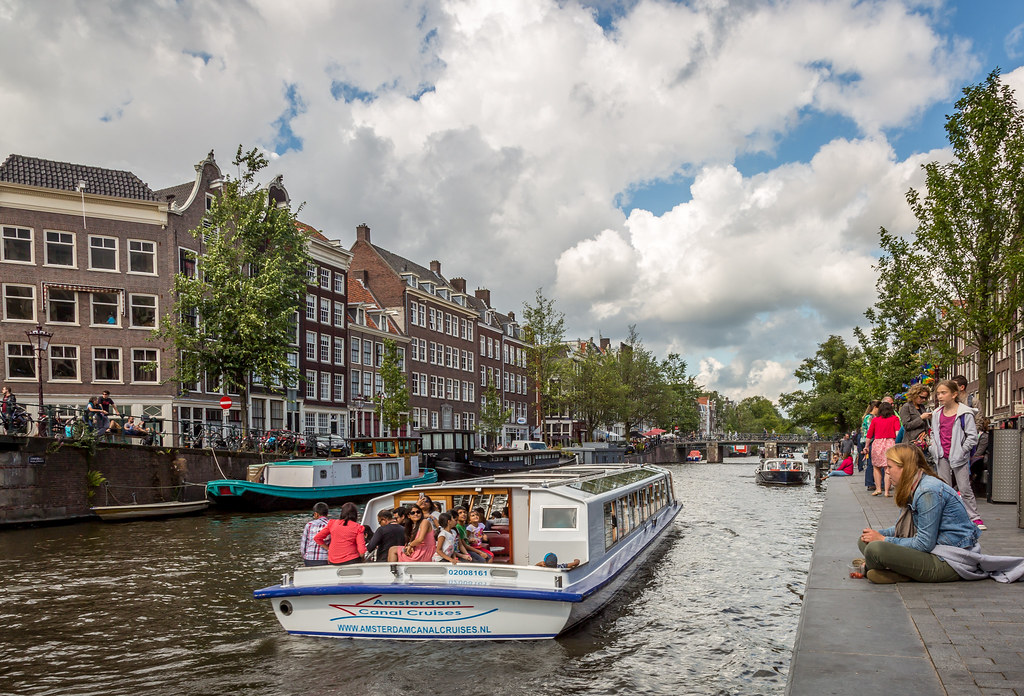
(787, 472)
(142, 511)
(610, 518)
(693, 456)
(377, 465)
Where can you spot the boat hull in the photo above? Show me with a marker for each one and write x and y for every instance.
(783, 478)
(119, 513)
(231, 494)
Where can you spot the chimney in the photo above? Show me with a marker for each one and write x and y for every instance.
(363, 233)
(459, 284)
(435, 266)
(512, 316)
(484, 295)
(606, 343)
(362, 275)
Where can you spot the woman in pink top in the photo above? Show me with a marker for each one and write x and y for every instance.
(348, 544)
(419, 545)
(882, 435)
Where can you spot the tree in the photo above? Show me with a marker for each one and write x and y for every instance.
(756, 413)
(492, 415)
(545, 350)
(680, 408)
(645, 392)
(394, 400)
(838, 392)
(961, 271)
(593, 389)
(236, 317)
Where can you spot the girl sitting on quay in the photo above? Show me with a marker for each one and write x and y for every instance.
(932, 515)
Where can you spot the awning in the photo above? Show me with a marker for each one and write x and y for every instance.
(85, 288)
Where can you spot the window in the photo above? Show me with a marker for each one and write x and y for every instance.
(325, 279)
(60, 248)
(415, 387)
(310, 345)
(104, 309)
(311, 274)
(367, 352)
(21, 361)
(102, 253)
(311, 307)
(339, 313)
(357, 471)
(376, 471)
(378, 384)
(325, 311)
(17, 246)
(433, 420)
(367, 383)
(356, 350)
(62, 307)
(145, 365)
(339, 387)
(448, 324)
(379, 354)
(19, 302)
(339, 283)
(339, 351)
(433, 320)
(141, 257)
(325, 386)
(106, 364)
(187, 262)
(391, 469)
(325, 348)
(558, 518)
(355, 382)
(401, 359)
(310, 384)
(143, 311)
(64, 363)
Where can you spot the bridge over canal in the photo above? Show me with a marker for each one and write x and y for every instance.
(715, 450)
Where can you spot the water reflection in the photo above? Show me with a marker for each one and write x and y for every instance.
(166, 607)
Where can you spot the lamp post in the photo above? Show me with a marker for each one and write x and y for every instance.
(40, 339)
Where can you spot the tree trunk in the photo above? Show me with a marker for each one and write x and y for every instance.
(983, 385)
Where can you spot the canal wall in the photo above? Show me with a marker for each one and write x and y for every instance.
(44, 481)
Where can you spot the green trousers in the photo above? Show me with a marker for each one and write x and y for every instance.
(916, 565)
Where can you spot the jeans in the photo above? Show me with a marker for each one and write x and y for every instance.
(308, 562)
(963, 484)
(916, 565)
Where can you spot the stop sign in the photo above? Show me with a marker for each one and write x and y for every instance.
(225, 402)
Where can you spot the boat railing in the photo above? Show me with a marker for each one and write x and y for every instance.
(429, 573)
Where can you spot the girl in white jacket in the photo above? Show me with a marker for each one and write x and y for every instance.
(954, 435)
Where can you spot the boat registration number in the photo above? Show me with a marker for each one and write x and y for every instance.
(467, 573)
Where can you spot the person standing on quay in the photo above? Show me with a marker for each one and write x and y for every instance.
(915, 415)
(865, 450)
(954, 435)
(882, 435)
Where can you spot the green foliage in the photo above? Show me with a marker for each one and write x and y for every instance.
(251, 277)
(959, 274)
(593, 390)
(395, 397)
(492, 415)
(839, 376)
(756, 414)
(545, 333)
(93, 480)
(679, 409)
(645, 389)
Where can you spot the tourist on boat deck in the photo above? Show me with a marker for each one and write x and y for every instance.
(477, 539)
(313, 554)
(419, 538)
(429, 509)
(347, 541)
(461, 516)
(551, 561)
(389, 533)
(447, 547)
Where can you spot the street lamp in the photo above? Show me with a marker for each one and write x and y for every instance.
(40, 339)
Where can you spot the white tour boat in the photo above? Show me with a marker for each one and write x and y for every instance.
(610, 518)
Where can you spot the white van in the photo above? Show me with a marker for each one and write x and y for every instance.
(529, 445)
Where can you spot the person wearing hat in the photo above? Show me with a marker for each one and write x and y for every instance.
(551, 561)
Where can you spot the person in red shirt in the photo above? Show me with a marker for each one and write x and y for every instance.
(882, 435)
(347, 545)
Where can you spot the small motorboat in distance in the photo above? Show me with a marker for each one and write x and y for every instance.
(572, 537)
(145, 511)
(782, 472)
(693, 456)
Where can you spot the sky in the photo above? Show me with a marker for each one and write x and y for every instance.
(713, 172)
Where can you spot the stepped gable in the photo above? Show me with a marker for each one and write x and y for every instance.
(64, 176)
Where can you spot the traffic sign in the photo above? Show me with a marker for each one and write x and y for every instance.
(225, 402)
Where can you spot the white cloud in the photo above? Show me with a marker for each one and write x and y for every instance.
(496, 136)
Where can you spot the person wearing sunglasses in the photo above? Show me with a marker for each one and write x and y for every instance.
(419, 539)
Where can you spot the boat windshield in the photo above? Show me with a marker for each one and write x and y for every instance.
(362, 447)
(604, 484)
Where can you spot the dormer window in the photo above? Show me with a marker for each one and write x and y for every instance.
(411, 280)
(361, 317)
(460, 299)
(427, 286)
(442, 293)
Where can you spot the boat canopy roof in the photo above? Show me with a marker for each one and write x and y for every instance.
(580, 482)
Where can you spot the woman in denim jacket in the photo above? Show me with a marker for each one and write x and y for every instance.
(938, 514)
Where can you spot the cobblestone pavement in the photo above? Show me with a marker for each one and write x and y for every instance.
(960, 638)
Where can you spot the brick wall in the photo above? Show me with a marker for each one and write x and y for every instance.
(41, 484)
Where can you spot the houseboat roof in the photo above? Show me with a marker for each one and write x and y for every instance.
(589, 480)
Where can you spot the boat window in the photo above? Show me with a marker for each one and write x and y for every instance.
(611, 533)
(376, 471)
(634, 505)
(385, 446)
(323, 473)
(362, 447)
(357, 471)
(622, 512)
(499, 502)
(559, 518)
(392, 471)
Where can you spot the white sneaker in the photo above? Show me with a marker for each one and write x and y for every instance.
(981, 524)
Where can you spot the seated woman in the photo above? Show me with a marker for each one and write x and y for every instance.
(419, 538)
(904, 552)
(843, 468)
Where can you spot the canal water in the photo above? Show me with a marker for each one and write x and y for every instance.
(166, 607)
